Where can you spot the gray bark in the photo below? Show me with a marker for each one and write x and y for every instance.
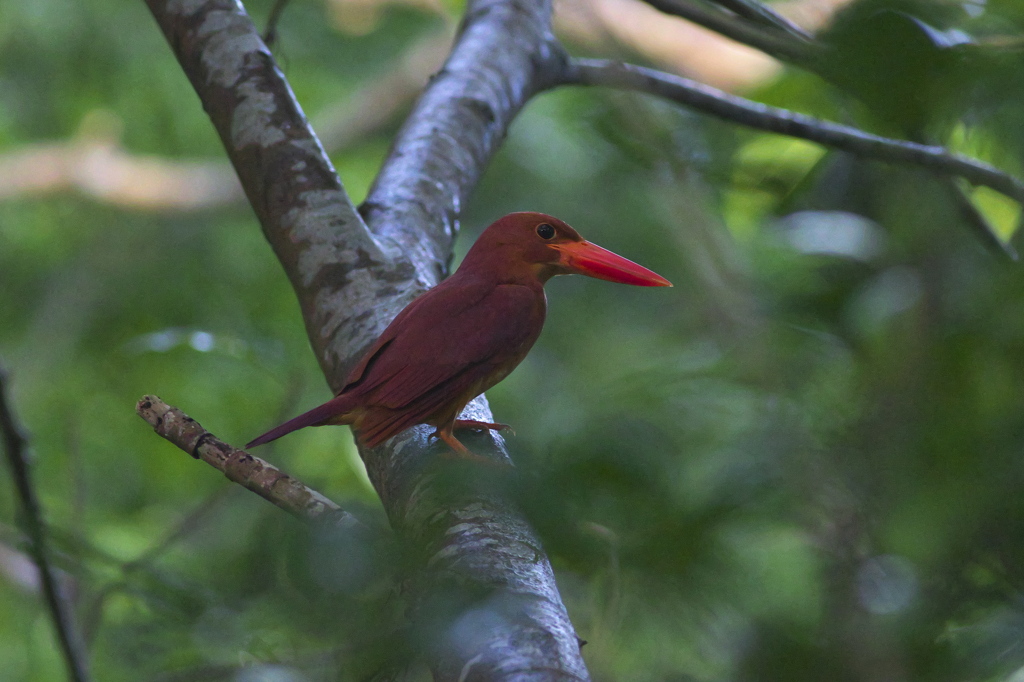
(481, 573)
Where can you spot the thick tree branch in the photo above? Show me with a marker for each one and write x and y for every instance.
(305, 213)
(476, 549)
(240, 467)
(60, 610)
(505, 53)
(784, 122)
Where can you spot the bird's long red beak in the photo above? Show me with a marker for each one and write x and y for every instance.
(589, 259)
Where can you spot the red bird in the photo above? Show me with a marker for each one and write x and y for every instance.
(466, 334)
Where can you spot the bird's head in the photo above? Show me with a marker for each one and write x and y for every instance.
(542, 246)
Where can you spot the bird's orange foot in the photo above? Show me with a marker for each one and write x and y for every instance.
(473, 424)
(460, 451)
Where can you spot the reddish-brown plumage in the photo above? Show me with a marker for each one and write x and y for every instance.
(466, 334)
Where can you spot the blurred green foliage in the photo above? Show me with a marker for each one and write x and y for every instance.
(804, 462)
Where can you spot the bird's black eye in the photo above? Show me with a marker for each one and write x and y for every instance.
(545, 231)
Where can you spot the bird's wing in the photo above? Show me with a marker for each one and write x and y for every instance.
(450, 347)
(458, 331)
(442, 300)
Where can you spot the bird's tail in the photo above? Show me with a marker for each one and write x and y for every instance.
(332, 412)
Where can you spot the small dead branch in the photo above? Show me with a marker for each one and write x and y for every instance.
(240, 467)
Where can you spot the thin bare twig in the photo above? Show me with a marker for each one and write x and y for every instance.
(15, 445)
(270, 32)
(378, 104)
(239, 466)
(784, 122)
(799, 48)
(181, 530)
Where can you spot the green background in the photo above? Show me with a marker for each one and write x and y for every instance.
(803, 462)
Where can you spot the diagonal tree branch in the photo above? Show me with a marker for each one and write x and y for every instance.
(14, 444)
(785, 122)
(771, 119)
(290, 182)
(783, 46)
(477, 552)
(240, 467)
(793, 45)
(504, 54)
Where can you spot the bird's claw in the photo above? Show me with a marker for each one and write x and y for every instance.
(480, 426)
(458, 451)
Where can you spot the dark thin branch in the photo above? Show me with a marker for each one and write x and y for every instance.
(15, 446)
(784, 122)
(782, 47)
(802, 51)
(270, 32)
(189, 524)
(760, 13)
(240, 467)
